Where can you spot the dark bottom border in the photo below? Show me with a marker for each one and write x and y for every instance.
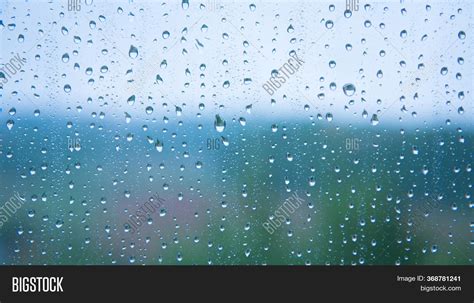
(318, 283)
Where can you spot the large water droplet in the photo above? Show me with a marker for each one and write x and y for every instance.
(159, 146)
(133, 52)
(329, 117)
(128, 118)
(10, 124)
(131, 100)
(329, 24)
(185, 4)
(349, 89)
(374, 120)
(219, 124)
